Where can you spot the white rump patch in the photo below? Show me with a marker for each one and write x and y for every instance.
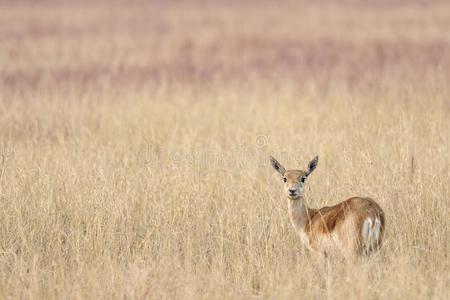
(367, 225)
(376, 230)
(371, 233)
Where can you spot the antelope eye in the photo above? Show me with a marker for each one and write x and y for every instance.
(303, 179)
(284, 179)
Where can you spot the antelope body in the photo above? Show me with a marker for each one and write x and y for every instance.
(353, 227)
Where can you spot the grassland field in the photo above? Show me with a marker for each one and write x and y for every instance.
(134, 144)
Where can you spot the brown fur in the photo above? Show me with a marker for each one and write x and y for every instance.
(354, 226)
(326, 220)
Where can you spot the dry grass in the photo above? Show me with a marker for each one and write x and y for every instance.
(134, 142)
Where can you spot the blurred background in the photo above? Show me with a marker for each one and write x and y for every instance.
(122, 44)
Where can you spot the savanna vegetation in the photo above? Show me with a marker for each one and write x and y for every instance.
(134, 144)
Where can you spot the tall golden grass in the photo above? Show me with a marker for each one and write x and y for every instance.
(134, 140)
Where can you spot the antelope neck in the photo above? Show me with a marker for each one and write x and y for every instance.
(298, 212)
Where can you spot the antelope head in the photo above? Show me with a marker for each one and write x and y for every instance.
(294, 180)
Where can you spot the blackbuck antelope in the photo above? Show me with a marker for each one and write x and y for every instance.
(352, 228)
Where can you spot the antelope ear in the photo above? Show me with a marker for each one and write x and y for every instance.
(277, 166)
(312, 165)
